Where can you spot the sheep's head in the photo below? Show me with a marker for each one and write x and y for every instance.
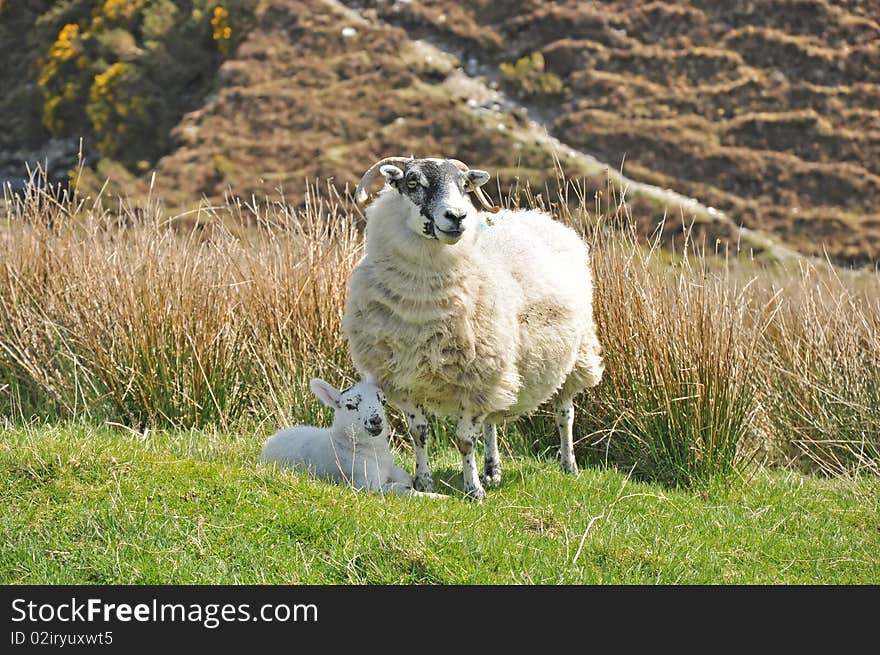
(437, 190)
(358, 410)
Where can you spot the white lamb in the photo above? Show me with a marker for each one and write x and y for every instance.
(354, 451)
(459, 317)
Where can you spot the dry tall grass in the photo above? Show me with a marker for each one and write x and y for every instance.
(821, 396)
(126, 315)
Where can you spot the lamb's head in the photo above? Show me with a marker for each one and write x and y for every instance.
(359, 410)
(435, 193)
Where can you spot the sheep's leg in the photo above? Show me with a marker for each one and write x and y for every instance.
(466, 436)
(417, 423)
(492, 471)
(565, 422)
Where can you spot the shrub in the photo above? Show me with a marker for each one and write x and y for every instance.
(115, 72)
(116, 114)
(529, 78)
(63, 80)
(222, 31)
(122, 10)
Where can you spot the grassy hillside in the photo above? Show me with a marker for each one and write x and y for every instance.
(149, 342)
(97, 506)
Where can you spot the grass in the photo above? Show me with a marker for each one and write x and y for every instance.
(82, 504)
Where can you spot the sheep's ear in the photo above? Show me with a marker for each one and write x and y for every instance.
(477, 177)
(391, 172)
(325, 392)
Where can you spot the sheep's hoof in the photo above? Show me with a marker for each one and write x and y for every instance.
(492, 475)
(570, 467)
(474, 493)
(423, 482)
(567, 463)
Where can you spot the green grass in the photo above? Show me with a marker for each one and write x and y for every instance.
(80, 504)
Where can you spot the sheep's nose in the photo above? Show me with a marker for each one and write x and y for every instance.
(455, 215)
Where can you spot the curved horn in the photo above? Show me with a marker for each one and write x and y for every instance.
(361, 194)
(487, 204)
(478, 192)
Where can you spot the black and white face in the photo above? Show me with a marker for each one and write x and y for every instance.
(437, 189)
(361, 405)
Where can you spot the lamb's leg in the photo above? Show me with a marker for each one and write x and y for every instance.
(400, 483)
(417, 423)
(492, 471)
(466, 436)
(565, 422)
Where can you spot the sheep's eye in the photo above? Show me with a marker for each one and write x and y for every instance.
(413, 183)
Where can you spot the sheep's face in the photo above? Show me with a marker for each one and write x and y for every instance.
(358, 409)
(437, 190)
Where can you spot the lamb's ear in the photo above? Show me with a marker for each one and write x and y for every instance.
(391, 172)
(325, 392)
(477, 177)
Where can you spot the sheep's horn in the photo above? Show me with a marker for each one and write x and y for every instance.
(487, 204)
(361, 194)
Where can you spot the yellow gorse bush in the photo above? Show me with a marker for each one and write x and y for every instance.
(222, 29)
(109, 111)
(66, 46)
(122, 9)
(108, 68)
(59, 79)
(528, 74)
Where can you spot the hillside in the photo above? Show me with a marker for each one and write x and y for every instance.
(765, 111)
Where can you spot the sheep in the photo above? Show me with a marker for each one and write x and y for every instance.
(462, 318)
(354, 451)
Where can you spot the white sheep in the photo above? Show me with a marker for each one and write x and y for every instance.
(456, 316)
(354, 451)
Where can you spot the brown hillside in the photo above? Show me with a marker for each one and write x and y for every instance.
(766, 110)
(302, 100)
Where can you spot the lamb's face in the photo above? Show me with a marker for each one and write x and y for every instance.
(363, 405)
(436, 190)
(360, 406)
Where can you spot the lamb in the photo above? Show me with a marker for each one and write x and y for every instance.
(459, 318)
(354, 451)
